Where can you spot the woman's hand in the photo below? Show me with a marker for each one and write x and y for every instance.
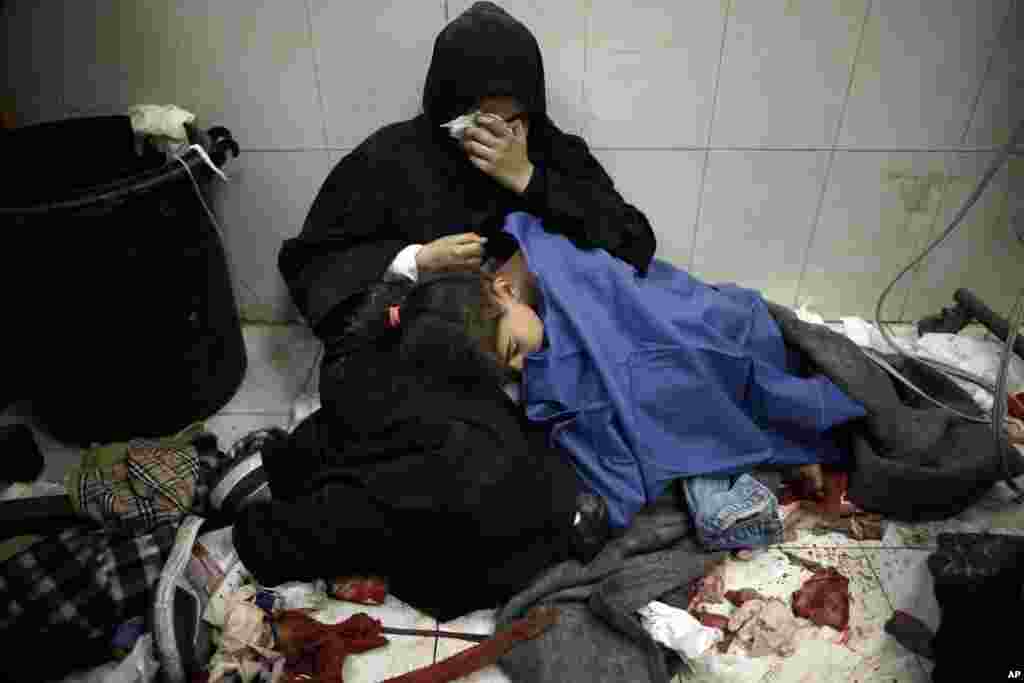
(464, 251)
(499, 150)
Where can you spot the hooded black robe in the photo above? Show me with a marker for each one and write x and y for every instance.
(443, 487)
(411, 183)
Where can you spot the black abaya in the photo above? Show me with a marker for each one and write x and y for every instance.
(444, 488)
(410, 183)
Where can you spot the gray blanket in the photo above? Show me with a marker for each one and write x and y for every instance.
(912, 461)
(598, 637)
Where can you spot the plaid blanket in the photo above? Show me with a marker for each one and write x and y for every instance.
(87, 581)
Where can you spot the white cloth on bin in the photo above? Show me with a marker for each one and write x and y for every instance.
(165, 120)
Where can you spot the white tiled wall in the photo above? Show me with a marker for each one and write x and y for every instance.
(806, 148)
(785, 71)
(919, 71)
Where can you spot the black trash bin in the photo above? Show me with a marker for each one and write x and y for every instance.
(123, 321)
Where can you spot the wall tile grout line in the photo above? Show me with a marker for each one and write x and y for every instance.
(316, 75)
(870, 150)
(944, 201)
(708, 138)
(940, 211)
(986, 72)
(695, 148)
(888, 598)
(946, 186)
(269, 150)
(588, 9)
(831, 158)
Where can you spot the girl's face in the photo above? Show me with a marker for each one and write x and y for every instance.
(520, 330)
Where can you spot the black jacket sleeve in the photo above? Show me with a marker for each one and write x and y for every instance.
(345, 244)
(573, 195)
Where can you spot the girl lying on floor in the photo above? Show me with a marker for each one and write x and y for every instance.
(628, 384)
(646, 380)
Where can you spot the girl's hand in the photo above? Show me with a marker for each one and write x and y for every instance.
(464, 251)
(813, 480)
(499, 150)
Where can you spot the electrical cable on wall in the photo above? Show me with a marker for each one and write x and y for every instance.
(999, 408)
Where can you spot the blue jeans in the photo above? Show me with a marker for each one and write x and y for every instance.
(733, 512)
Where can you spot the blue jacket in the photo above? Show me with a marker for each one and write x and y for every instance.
(644, 380)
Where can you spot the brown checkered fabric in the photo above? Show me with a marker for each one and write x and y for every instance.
(152, 484)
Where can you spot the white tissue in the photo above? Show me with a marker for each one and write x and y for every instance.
(678, 630)
(457, 126)
(302, 594)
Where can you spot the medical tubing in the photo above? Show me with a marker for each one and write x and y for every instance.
(1000, 405)
(1015, 140)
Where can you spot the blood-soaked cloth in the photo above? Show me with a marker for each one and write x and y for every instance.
(824, 599)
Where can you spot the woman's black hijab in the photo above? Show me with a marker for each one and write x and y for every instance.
(484, 51)
(411, 183)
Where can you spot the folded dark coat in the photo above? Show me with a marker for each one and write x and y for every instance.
(598, 637)
(444, 489)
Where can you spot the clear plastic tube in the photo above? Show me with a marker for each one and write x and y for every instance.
(999, 406)
(1015, 141)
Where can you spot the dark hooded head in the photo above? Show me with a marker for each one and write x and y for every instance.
(483, 52)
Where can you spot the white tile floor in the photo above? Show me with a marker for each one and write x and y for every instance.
(884, 576)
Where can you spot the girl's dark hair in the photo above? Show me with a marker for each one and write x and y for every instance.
(447, 325)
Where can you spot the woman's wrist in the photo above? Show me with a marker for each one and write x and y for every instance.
(524, 181)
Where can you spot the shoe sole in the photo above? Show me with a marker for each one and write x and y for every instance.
(241, 471)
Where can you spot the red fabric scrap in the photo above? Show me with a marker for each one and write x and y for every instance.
(1015, 405)
(315, 649)
(824, 599)
(712, 620)
(364, 590)
(743, 595)
(706, 589)
(487, 653)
